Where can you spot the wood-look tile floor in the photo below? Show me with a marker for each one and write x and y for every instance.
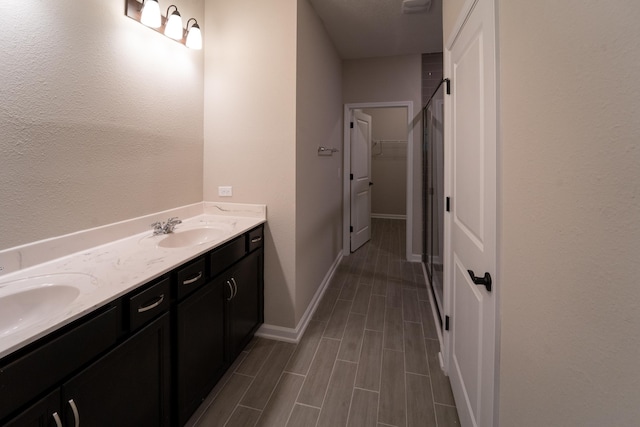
(368, 357)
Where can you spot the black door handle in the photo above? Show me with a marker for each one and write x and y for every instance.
(370, 183)
(486, 280)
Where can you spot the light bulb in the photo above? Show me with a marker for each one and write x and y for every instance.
(173, 28)
(194, 37)
(151, 14)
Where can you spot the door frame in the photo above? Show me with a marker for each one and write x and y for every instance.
(346, 191)
(445, 343)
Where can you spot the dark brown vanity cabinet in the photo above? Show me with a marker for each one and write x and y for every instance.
(44, 413)
(243, 285)
(243, 302)
(150, 357)
(216, 321)
(126, 387)
(129, 386)
(100, 371)
(200, 347)
(42, 367)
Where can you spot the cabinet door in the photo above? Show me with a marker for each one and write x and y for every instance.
(200, 347)
(129, 386)
(44, 413)
(245, 305)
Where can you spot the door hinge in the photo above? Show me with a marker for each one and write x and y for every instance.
(351, 176)
(448, 204)
(351, 228)
(446, 323)
(447, 83)
(351, 125)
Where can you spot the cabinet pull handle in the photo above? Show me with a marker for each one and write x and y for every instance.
(152, 305)
(235, 287)
(76, 415)
(195, 279)
(56, 418)
(256, 239)
(230, 291)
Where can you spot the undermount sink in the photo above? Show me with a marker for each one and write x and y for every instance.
(25, 302)
(190, 236)
(193, 237)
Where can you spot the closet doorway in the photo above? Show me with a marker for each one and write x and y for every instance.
(391, 165)
(388, 162)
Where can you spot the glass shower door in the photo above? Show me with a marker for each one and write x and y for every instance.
(433, 194)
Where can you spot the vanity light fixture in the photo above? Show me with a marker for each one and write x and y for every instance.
(173, 27)
(147, 12)
(194, 35)
(150, 15)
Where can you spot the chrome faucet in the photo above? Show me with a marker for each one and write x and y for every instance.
(165, 227)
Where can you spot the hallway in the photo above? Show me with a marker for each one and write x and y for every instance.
(367, 358)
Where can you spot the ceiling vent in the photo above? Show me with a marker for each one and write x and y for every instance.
(416, 6)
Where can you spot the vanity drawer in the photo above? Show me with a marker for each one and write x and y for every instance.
(255, 238)
(149, 303)
(228, 254)
(190, 278)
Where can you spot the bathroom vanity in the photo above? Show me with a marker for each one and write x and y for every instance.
(148, 356)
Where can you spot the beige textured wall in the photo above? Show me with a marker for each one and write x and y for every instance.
(570, 212)
(388, 160)
(318, 179)
(101, 118)
(390, 79)
(250, 128)
(451, 10)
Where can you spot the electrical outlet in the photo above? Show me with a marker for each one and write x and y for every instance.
(226, 191)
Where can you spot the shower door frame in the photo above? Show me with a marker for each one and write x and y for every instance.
(427, 226)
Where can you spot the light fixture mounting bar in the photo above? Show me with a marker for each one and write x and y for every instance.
(134, 11)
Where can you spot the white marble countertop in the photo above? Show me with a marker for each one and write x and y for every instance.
(113, 269)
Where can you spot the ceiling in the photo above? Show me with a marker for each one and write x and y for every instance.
(374, 28)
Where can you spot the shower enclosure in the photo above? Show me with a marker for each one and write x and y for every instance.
(433, 200)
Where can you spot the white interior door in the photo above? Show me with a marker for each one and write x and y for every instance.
(360, 179)
(471, 65)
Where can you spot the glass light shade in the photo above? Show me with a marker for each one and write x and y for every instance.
(194, 37)
(173, 28)
(151, 16)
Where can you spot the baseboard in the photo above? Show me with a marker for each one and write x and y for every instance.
(437, 259)
(415, 258)
(279, 333)
(441, 362)
(294, 334)
(388, 216)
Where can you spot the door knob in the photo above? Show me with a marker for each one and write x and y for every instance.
(486, 280)
(370, 183)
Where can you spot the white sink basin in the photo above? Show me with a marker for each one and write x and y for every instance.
(192, 237)
(29, 301)
(187, 237)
